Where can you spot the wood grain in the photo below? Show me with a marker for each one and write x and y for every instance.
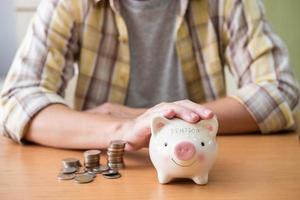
(248, 167)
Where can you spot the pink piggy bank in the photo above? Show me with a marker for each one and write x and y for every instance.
(179, 149)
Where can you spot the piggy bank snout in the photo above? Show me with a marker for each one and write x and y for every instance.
(184, 151)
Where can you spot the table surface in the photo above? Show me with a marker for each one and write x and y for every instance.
(247, 167)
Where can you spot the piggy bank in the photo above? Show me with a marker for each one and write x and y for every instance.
(179, 149)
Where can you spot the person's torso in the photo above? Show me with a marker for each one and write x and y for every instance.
(104, 57)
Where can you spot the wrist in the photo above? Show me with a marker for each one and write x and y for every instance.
(104, 129)
(138, 111)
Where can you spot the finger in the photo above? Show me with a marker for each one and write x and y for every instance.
(169, 114)
(203, 112)
(174, 110)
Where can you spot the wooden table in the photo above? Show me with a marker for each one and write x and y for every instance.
(248, 167)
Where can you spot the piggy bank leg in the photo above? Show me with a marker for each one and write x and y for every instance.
(201, 180)
(163, 178)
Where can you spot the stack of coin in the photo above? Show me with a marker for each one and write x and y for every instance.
(69, 167)
(72, 168)
(91, 158)
(100, 169)
(71, 162)
(115, 153)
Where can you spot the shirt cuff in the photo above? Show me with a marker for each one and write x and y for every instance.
(266, 105)
(16, 114)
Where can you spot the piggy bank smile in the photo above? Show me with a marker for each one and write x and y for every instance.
(183, 165)
(179, 149)
(184, 154)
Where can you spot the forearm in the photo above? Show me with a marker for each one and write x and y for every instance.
(61, 127)
(233, 116)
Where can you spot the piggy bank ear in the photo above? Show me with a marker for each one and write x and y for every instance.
(211, 125)
(157, 123)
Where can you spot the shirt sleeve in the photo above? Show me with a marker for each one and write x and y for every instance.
(41, 69)
(258, 60)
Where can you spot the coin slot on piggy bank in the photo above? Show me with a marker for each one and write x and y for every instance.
(179, 149)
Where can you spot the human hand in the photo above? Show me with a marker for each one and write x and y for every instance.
(116, 110)
(137, 131)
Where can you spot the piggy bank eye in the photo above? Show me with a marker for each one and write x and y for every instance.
(202, 144)
(165, 144)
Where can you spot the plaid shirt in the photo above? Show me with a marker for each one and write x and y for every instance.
(210, 35)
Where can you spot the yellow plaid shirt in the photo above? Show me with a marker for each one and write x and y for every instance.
(91, 33)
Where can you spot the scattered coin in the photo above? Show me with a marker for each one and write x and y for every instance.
(93, 174)
(112, 176)
(68, 170)
(72, 168)
(84, 178)
(81, 170)
(71, 162)
(110, 172)
(62, 176)
(100, 169)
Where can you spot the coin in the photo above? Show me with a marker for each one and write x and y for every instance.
(115, 153)
(71, 162)
(117, 143)
(111, 149)
(80, 170)
(62, 176)
(68, 170)
(84, 178)
(72, 168)
(100, 169)
(92, 153)
(116, 165)
(112, 176)
(115, 159)
(91, 158)
(110, 172)
(93, 174)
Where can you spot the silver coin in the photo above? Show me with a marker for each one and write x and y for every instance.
(112, 176)
(92, 174)
(100, 169)
(80, 170)
(62, 176)
(68, 170)
(110, 172)
(88, 169)
(71, 160)
(116, 165)
(84, 178)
